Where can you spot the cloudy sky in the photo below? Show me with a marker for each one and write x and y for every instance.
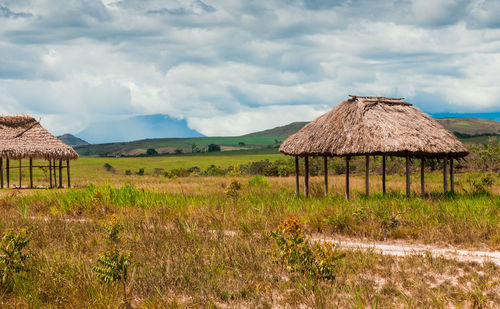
(231, 67)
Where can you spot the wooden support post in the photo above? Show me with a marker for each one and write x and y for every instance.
(407, 175)
(306, 177)
(383, 174)
(1, 173)
(20, 174)
(50, 173)
(422, 175)
(367, 176)
(452, 180)
(8, 173)
(326, 175)
(60, 174)
(445, 174)
(67, 170)
(297, 175)
(54, 166)
(347, 177)
(31, 173)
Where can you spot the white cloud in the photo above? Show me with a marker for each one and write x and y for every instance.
(231, 67)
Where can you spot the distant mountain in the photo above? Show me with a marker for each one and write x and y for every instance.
(470, 126)
(283, 131)
(137, 128)
(72, 140)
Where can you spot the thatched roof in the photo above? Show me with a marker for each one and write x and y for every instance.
(374, 126)
(23, 137)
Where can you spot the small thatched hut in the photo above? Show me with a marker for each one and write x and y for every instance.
(369, 126)
(22, 137)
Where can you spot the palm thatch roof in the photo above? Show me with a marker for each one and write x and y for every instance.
(374, 126)
(23, 137)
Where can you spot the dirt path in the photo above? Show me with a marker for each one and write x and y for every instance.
(405, 249)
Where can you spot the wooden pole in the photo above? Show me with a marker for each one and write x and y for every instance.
(367, 175)
(306, 177)
(452, 180)
(31, 173)
(1, 172)
(422, 175)
(54, 166)
(383, 174)
(407, 175)
(8, 173)
(20, 174)
(50, 173)
(347, 177)
(297, 175)
(60, 174)
(445, 174)
(326, 175)
(67, 170)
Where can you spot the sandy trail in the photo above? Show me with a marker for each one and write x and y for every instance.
(404, 249)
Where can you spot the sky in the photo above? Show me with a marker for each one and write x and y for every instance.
(231, 67)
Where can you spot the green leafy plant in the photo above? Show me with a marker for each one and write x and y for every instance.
(13, 260)
(233, 188)
(298, 254)
(113, 268)
(479, 185)
(113, 227)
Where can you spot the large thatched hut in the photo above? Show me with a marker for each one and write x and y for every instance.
(23, 137)
(369, 126)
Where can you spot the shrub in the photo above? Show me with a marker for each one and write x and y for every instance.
(151, 152)
(479, 185)
(13, 260)
(113, 267)
(140, 172)
(213, 147)
(177, 172)
(233, 188)
(258, 181)
(194, 170)
(178, 151)
(108, 167)
(318, 260)
(128, 172)
(213, 170)
(113, 227)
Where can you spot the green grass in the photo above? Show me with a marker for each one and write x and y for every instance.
(181, 256)
(165, 145)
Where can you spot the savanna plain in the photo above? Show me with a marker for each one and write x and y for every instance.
(158, 238)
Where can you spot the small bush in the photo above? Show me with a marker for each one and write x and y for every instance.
(108, 167)
(140, 172)
(479, 185)
(318, 260)
(13, 260)
(258, 181)
(128, 172)
(113, 227)
(177, 172)
(233, 188)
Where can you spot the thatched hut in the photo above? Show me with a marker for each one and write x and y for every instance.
(23, 137)
(369, 126)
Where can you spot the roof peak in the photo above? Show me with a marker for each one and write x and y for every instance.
(375, 100)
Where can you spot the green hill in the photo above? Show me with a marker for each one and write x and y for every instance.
(72, 140)
(282, 132)
(469, 130)
(471, 126)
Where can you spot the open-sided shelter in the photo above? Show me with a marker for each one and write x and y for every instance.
(370, 126)
(23, 137)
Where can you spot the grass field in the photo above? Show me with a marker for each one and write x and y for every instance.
(182, 257)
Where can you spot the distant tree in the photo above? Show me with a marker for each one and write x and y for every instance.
(128, 172)
(178, 151)
(213, 147)
(151, 152)
(140, 172)
(241, 144)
